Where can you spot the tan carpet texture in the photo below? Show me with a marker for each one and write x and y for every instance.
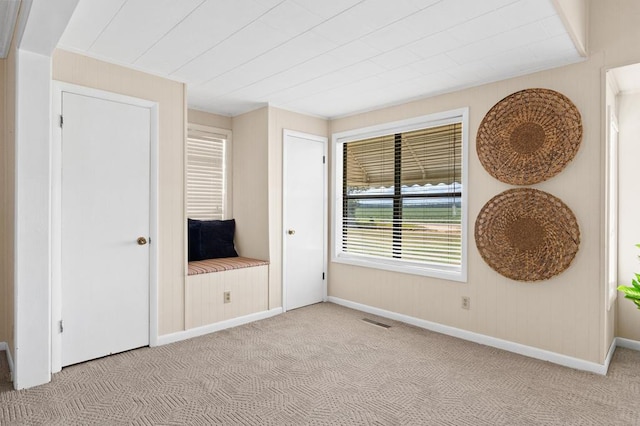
(323, 365)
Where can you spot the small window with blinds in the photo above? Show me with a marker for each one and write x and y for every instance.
(402, 197)
(207, 172)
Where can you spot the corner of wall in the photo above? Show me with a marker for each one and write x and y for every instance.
(575, 17)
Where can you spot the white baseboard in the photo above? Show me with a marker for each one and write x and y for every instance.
(541, 354)
(4, 346)
(210, 328)
(627, 343)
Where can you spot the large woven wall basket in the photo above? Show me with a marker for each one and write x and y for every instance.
(527, 235)
(529, 136)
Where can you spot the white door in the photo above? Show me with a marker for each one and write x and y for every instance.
(304, 219)
(105, 210)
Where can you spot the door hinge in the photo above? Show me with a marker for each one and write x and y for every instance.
(323, 275)
(60, 326)
(324, 159)
(61, 121)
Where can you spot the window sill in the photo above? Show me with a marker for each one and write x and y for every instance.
(457, 274)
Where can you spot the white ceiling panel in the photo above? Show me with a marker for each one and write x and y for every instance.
(396, 58)
(255, 39)
(525, 11)
(391, 37)
(434, 64)
(556, 47)
(344, 28)
(291, 18)
(279, 59)
(431, 20)
(88, 21)
(380, 13)
(503, 42)
(211, 24)
(435, 44)
(149, 20)
(327, 58)
(328, 8)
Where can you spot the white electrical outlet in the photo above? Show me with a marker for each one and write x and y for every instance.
(227, 297)
(466, 302)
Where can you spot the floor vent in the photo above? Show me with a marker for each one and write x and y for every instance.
(379, 324)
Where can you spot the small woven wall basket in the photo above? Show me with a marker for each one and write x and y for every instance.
(529, 136)
(527, 235)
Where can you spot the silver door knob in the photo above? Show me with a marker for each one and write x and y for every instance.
(142, 241)
(291, 231)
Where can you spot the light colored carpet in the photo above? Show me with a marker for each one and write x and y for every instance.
(323, 365)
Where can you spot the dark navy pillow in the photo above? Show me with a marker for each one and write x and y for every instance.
(194, 240)
(216, 238)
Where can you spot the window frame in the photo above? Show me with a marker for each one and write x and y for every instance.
(227, 212)
(398, 265)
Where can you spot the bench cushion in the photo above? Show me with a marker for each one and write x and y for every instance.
(223, 264)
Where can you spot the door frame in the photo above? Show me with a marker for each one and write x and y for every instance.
(58, 88)
(325, 216)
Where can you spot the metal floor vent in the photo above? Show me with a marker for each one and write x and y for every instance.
(379, 324)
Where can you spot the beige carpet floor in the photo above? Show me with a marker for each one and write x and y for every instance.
(323, 365)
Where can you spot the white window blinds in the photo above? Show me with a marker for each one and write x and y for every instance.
(401, 197)
(206, 182)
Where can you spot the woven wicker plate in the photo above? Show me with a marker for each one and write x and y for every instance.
(529, 136)
(527, 235)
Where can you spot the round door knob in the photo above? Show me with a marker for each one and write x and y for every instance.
(142, 241)
(291, 231)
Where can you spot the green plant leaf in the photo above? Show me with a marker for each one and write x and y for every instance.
(630, 292)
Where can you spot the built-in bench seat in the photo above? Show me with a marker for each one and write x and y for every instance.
(223, 264)
(222, 289)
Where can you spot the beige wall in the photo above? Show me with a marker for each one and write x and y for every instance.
(170, 95)
(208, 119)
(543, 315)
(250, 185)
(279, 120)
(628, 324)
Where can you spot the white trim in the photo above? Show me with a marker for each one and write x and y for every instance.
(218, 326)
(416, 123)
(58, 88)
(32, 220)
(611, 188)
(622, 342)
(541, 354)
(325, 141)
(610, 352)
(4, 346)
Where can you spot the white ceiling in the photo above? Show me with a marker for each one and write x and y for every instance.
(323, 57)
(627, 78)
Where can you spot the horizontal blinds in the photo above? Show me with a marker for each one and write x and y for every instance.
(432, 156)
(205, 175)
(402, 196)
(429, 156)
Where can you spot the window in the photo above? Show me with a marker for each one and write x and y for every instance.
(207, 172)
(401, 202)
